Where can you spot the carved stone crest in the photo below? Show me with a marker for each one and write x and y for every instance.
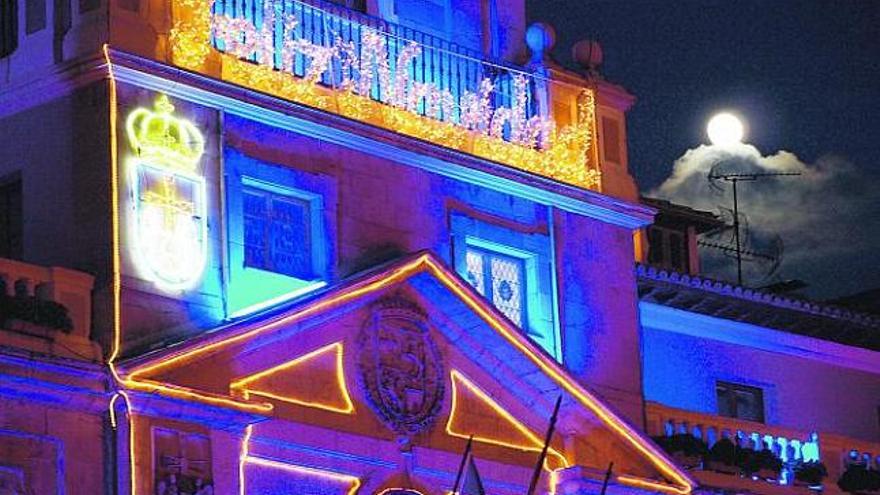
(400, 367)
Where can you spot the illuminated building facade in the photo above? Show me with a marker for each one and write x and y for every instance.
(286, 246)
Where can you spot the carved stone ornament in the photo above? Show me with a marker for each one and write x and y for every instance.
(400, 368)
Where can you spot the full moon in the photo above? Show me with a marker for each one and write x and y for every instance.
(724, 129)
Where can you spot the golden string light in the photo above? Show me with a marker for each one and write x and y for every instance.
(535, 144)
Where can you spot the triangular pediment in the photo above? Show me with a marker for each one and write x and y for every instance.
(410, 352)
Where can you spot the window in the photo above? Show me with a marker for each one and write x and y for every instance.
(8, 27)
(655, 246)
(279, 245)
(500, 278)
(11, 219)
(740, 401)
(423, 12)
(277, 233)
(513, 270)
(359, 5)
(611, 139)
(430, 16)
(668, 249)
(35, 16)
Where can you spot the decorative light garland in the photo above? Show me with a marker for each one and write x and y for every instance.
(371, 89)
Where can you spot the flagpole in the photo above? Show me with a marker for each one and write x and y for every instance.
(467, 450)
(607, 477)
(537, 473)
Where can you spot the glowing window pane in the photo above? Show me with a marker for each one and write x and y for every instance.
(475, 271)
(507, 287)
(500, 279)
(277, 233)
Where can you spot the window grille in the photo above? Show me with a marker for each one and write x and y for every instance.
(500, 278)
(277, 233)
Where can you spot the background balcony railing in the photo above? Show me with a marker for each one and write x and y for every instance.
(790, 445)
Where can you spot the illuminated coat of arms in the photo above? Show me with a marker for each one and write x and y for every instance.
(168, 196)
(400, 367)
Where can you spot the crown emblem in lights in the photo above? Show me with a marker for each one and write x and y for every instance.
(157, 134)
(168, 196)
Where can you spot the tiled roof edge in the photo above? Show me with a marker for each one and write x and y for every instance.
(754, 295)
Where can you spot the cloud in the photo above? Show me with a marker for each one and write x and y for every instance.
(826, 218)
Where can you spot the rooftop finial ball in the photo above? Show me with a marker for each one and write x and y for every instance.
(540, 37)
(724, 129)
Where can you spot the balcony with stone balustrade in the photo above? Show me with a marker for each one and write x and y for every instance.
(46, 310)
(792, 446)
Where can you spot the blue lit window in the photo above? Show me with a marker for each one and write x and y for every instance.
(277, 233)
(430, 16)
(423, 12)
(514, 271)
(279, 243)
(500, 278)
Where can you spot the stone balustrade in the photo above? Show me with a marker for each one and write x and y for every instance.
(69, 288)
(790, 445)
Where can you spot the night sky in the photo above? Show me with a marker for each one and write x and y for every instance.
(804, 75)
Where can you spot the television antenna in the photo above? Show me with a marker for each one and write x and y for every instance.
(737, 249)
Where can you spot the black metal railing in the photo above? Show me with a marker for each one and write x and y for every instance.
(447, 66)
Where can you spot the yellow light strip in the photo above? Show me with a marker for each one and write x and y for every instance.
(116, 282)
(245, 445)
(393, 489)
(319, 473)
(113, 410)
(487, 314)
(372, 284)
(554, 480)
(340, 379)
(206, 397)
(116, 275)
(129, 411)
(457, 377)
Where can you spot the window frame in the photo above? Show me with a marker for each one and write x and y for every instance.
(661, 247)
(525, 261)
(248, 289)
(536, 248)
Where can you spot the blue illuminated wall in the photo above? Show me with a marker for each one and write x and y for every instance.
(378, 210)
(681, 370)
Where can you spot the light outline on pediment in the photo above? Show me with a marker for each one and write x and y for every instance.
(240, 384)
(676, 482)
(458, 378)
